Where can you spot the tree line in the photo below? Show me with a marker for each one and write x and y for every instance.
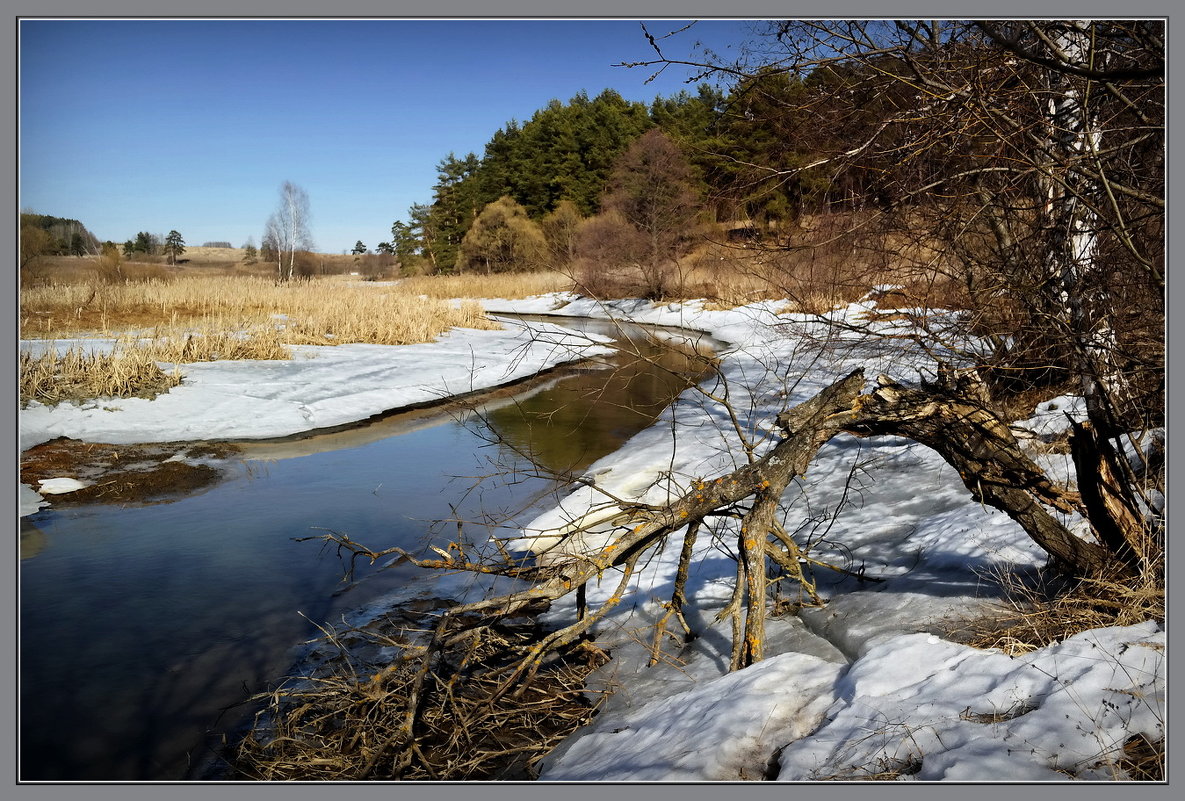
(558, 169)
(43, 234)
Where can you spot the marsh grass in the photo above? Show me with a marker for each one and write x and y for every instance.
(77, 374)
(209, 318)
(509, 286)
(382, 315)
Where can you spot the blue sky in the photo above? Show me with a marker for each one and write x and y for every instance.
(192, 125)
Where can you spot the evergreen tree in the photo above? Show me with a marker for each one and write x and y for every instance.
(359, 248)
(174, 246)
(456, 205)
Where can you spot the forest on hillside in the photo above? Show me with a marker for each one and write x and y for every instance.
(999, 167)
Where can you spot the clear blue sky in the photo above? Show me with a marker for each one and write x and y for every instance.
(193, 125)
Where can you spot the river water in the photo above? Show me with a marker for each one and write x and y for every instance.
(145, 628)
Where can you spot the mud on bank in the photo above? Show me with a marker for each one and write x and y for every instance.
(125, 474)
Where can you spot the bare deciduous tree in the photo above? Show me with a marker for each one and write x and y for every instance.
(655, 191)
(287, 229)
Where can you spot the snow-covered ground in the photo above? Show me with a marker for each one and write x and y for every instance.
(867, 683)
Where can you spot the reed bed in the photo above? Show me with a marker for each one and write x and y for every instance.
(209, 318)
(382, 315)
(510, 286)
(77, 374)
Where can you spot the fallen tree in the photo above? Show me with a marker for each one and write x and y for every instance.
(950, 415)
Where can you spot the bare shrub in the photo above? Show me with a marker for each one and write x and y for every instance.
(354, 720)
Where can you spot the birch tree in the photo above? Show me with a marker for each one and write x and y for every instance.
(1023, 160)
(288, 229)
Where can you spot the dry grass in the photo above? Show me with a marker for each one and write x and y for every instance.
(510, 286)
(78, 374)
(208, 318)
(825, 262)
(360, 721)
(314, 311)
(1036, 615)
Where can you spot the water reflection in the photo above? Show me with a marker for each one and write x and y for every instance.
(595, 412)
(140, 625)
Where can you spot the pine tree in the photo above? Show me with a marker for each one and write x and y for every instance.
(174, 246)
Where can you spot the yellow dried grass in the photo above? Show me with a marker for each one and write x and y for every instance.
(77, 374)
(510, 286)
(346, 311)
(209, 318)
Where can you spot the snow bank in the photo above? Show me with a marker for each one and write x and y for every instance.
(939, 711)
(866, 683)
(320, 387)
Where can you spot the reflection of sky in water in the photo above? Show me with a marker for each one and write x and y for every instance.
(139, 624)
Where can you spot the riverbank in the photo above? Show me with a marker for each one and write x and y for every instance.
(876, 683)
(321, 387)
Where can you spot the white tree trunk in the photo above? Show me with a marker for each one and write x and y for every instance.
(1075, 138)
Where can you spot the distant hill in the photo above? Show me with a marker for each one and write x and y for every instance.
(70, 237)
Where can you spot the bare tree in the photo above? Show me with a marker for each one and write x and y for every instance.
(1033, 152)
(1023, 162)
(655, 191)
(287, 229)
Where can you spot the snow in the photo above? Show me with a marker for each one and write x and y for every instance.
(320, 387)
(868, 683)
(58, 486)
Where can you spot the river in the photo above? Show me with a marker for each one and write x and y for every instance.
(144, 629)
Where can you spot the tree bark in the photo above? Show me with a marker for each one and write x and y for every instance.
(951, 418)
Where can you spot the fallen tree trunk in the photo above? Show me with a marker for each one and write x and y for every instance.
(950, 416)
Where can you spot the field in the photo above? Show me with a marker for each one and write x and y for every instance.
(217, 309)
(213, 305)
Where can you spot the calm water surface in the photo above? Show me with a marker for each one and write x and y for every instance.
(141, 625)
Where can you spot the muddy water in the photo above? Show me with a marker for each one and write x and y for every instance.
(143, 629)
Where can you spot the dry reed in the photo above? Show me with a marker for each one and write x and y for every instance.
(77, 374)
(208, 318)
(347, 311)
(510, 286)
(358, 720)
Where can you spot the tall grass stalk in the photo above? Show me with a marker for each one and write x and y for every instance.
(211, 318)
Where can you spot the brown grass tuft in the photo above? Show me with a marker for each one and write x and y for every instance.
(78, 375)
(352, 722)
(1035, 615)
